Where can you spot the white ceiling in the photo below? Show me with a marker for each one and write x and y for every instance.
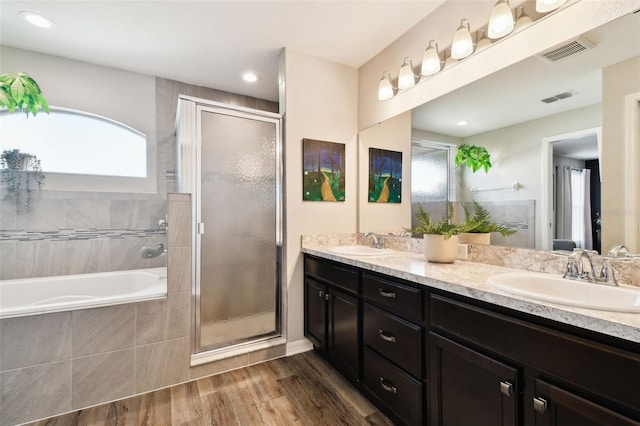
(211, 43)
(513, 95)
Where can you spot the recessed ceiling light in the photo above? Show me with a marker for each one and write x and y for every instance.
(36, 19)
(250, 77)
(462, 123)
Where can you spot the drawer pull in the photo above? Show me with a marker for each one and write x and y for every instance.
(506, 388)
(321, 294)
(539, 405)
(387, 387)
(387, 337)
(389, 294)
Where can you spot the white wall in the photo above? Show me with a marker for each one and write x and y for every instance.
(516, 155)
(318, 101)
(120, 95)
(552, 29)
(618, 81)
(79, 85)
(394, 135)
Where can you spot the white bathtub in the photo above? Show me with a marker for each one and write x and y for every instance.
(32, 296)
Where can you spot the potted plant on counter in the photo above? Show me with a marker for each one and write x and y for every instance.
(440, 238)
(477, 229)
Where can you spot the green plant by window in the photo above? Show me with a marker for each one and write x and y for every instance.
(474, 157)
(18, 168)
(21, 92)
(481, 222)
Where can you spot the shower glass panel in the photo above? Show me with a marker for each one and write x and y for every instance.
(431, 179)
(238, 231)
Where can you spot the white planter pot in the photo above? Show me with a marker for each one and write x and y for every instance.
(469, 238)
(439, 250)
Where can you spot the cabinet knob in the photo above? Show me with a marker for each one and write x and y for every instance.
(539, 405)
(506, 388)
(387, 386)
(387, 337)
(327, 296)
(389, 294)
(320, 293)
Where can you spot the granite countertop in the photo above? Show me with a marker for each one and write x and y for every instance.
(470, 279)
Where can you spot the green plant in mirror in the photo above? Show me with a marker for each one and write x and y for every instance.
(21, 92)
(481, 222)
(474, 157)
(444, 227)
(18, 169)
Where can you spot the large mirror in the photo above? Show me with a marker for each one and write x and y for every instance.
(545, 123)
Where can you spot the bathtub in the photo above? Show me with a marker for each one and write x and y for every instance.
(33, 296)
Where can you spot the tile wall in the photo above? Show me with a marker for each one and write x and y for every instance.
(55, 363)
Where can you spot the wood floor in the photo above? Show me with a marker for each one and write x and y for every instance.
(298, 390)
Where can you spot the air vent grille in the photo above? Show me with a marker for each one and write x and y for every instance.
(567, 49)
(555, 98)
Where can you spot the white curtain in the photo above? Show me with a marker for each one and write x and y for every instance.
(563, 203)
(581, 208)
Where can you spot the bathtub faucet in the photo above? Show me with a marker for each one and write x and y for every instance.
(151, 252)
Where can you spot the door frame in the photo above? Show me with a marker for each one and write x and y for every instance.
(548, 216)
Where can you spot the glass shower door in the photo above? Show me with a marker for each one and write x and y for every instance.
(238, 228)
(431, 179)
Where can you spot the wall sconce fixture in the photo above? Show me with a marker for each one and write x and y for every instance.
(385, 88)
(501, 20)
(431, 62)
(544, 6)
(462, 45)
(406, 77)
(501, 24)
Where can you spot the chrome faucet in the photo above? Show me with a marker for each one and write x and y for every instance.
(580, 267)
(375, 243)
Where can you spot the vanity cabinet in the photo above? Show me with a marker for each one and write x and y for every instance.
(509, 370)
(332, 313)
(428, 356)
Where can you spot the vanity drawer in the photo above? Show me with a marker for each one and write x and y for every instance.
(398, 298)
(393, 388)
(341, 276)
(398, 340)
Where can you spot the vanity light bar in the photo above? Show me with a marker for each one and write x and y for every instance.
(501, 24)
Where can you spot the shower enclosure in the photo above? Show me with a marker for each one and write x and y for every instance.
(229, 159)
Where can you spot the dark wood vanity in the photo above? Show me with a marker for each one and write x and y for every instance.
(428, 356)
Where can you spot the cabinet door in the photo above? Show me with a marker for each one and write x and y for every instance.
(343, 333)
(469, 388)
(315, 313)
(554, 406)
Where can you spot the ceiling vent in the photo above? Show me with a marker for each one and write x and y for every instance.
(559, 96)
(566, 49)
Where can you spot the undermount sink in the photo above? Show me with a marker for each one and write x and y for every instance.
(555, 289)
(358, 251)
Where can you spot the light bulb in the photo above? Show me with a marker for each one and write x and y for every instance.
(431, 62)
(385, 89)
(501, 20)
(406, 78)
(462, 45)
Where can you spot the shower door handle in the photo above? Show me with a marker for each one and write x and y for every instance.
(200, 228)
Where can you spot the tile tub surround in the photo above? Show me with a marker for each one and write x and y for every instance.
(469, 278)
(32, 254)
(100, 355)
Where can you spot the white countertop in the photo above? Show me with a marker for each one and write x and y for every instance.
(470, 279)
